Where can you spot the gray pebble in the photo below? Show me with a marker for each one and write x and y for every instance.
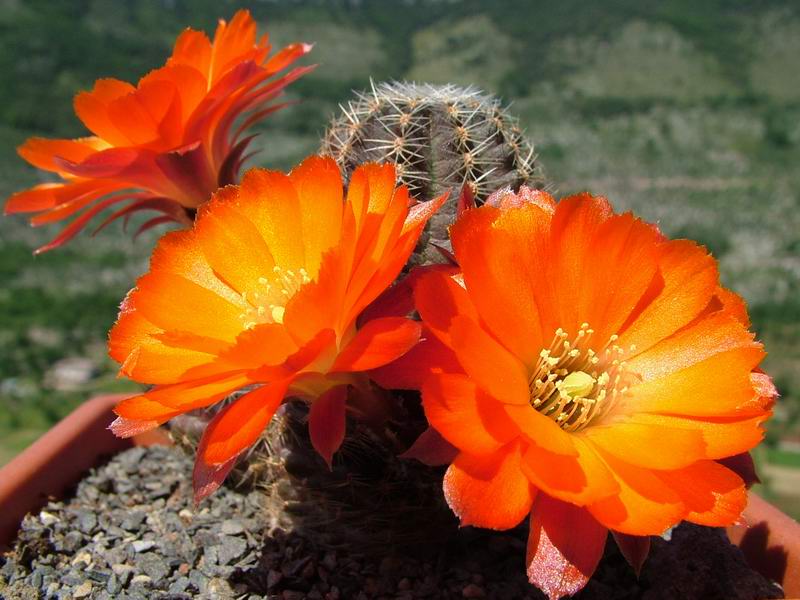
(153, 566)
(83, 590)
(230, 548)
(232, 527)
(143, 545)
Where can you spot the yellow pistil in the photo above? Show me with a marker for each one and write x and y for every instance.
(572, 383)
(268, 303)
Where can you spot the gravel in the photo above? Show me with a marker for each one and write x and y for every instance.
(131, 532)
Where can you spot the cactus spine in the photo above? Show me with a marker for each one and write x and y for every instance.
(440, 137)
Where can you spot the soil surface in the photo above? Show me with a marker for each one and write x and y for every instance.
(131, 532)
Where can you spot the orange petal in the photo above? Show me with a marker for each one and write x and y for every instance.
(734, 305)
(575, 223)
(465, 415)
(634, 548)
(420, 213)
(581, 479)
(238, 426)
(318, 304)
(319, 190)
(142, 408)
(326, 422)
(439, 299)
(688, 280)
(377, 343)
(192, 48)
(713, 495)
(92, 109)
(718, 386)
(410, 371)
(743, 465)
(270, 201)
(492, 367)
(503, 259)
(126, 428)
(431, 449)
(624, 251)
(174, 303)
(722, 436)
(134, 342)
(645, 505)
(541, 430)
(42, 153)
(192, 394)
(565, 545)
(233, 246)
(319, 349)
(708, 336)
(232, 41)
(206, 478)
(489, 491)
(179, 253)
(648, 445)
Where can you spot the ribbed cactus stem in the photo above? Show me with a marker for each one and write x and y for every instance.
(440, 137)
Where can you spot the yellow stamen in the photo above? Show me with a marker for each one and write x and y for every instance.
(267, 304)
(574, 384)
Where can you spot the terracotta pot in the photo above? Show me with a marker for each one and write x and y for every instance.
(770, 542)
(53, 464)
(56, 461)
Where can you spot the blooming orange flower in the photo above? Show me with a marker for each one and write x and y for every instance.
(167, 144)
(586, 371)
(266, 289)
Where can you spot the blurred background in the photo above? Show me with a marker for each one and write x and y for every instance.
(687, 112)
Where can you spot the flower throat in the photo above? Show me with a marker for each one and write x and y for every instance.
(574, 384)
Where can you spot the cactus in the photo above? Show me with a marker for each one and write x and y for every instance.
(371, 499)
(440, 138)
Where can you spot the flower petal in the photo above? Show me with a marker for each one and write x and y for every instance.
(565, 545)
(238, 426)
(645, 505)
(713, 495)
(431, 449)
(489, 491)
(718, 386)
(581, 479)
(409, 372)
(634, 548)
(494, 368)
(377, 343)
(650, 445)
(465, 415)
(319, 191)
(688, 279)
(503, 262)
(439, 299)
(326, 422)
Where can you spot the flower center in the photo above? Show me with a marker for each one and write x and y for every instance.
(268, 303)
(574, 384)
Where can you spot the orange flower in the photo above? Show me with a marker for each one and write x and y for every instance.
(266, 289)
(167, 144)
(587, 371)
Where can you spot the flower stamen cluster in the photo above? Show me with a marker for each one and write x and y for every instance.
(573, 384)
(267, 304)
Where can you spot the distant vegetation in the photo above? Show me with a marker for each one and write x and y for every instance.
(687, 112)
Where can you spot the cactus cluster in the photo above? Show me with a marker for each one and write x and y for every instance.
(440, 138)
